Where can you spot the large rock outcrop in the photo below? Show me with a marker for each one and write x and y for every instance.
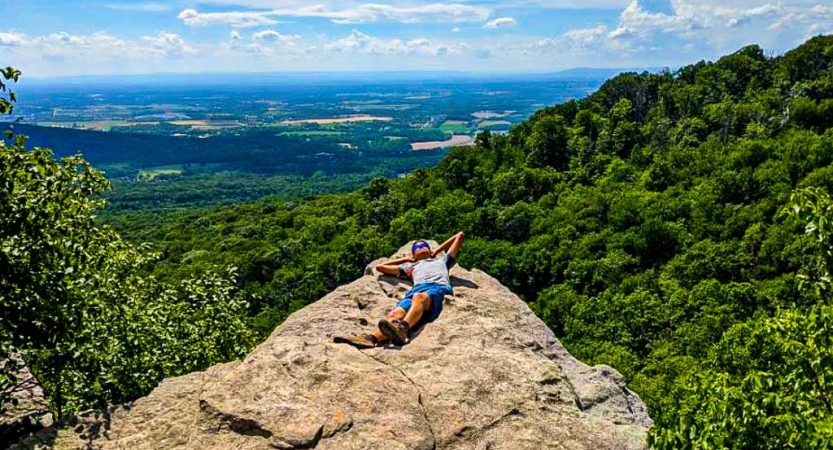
(487, 375)
(27, 409)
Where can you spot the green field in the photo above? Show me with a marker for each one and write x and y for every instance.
(312, 133)
(454, 128)
(152, 172)
(494, 123)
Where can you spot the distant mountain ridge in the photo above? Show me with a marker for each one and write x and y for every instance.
(595, 73)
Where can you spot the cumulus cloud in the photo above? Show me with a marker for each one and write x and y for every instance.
(64, 44)
(170, 44)
(65, 53)
(273, 36)
(656, 26)
(816, 20)
(12, 39)
(500, 22)
(238, 19)
(587, 40)
(358, 42)
(99, 48)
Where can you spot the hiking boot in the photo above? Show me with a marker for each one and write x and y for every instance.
(396, 331)
(361, 341)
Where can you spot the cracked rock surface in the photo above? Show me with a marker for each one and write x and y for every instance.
(29, 410)
(487, 374)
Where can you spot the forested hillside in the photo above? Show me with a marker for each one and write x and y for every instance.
(155, 172)
(646, 224)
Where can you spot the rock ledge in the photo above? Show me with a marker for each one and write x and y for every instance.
(487, 375)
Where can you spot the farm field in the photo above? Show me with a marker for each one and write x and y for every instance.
(339, 120)
(493, 123)
(153, 172)
(458, 140)
(491, 114)
(312, 133)
(455, 127)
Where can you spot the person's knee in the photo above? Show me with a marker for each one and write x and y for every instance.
(396, 313)
(423, 299)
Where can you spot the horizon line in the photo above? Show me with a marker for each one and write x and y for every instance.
(354, 72)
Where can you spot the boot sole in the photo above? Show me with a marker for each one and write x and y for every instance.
(389, 330)
(344, 340)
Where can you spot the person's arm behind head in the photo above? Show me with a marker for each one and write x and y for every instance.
(388, 269)
(446, 246)
(394, 267)
(456, 244)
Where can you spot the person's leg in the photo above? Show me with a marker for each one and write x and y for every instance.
(421, 303)
(363, 341)
(396, 314)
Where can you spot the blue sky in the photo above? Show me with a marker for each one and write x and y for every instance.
(78, 37)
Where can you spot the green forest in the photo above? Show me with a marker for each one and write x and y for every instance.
(156, 172)
(675, 226)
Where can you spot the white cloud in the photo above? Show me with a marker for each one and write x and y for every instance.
(358, 42)
(504, 4)
(595, 40)
(657, 28)
(238, 19)
(436, 12)
(364, 13)
(64, 53)
(273, 36)
(456, 30)
(64, 44)
(813, 21)
(169, 44)
(500, 22)
(98, 49)
(12, 39)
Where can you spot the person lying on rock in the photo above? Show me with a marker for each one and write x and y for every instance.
(421, 304)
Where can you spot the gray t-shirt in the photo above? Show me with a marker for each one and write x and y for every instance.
(434, 270)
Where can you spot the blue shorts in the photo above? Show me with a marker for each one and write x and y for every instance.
(436, 292)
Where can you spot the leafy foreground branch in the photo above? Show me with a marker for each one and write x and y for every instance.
(75, 303)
